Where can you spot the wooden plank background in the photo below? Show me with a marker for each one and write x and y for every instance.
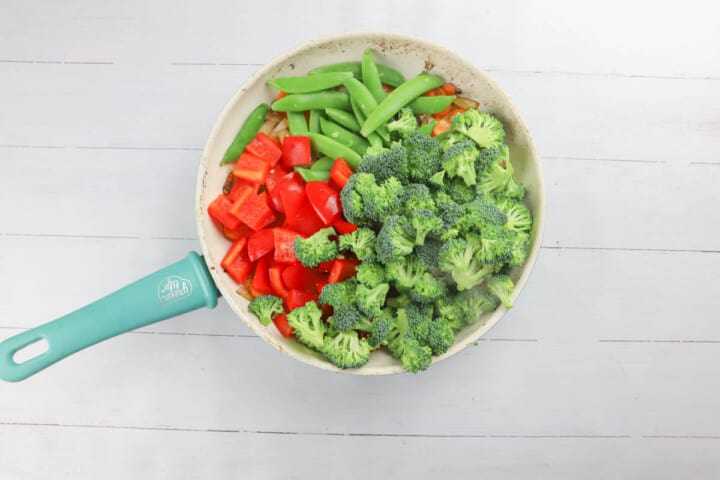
(608, 367)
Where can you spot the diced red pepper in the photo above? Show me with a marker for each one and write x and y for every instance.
(305, 221)
(260, 243)
(236, 262)
(342, 269)
(298, 298)
(324, 199)
(276, 283)
(262, 146)
(292, 195)
(241, 231)
(254, 211)
(261, 281)
(275, 176)
(219, 211)
(251, 168)
(241, 189)
(284, 241)
(300, 277)
(342, 226)
(296, 151)
(320, 284)
(325, 266)
(281, 323)
(340, 172)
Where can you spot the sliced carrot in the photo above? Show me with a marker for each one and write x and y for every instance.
(441, 127)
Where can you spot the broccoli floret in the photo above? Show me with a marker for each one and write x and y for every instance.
(438, 179)
(482, 211)
(428, 289)
(375, 149)
(502, 287)
(345, 316)
(386, 163)
(265, 306)
(488, 156)
(352, 199)
(496, 245)
(519, 249)
(308, 325)
(380, 329)
(395, 239)
(497, 178)
(435, 333)
(346, 349)
(458, 257)
(473, 302)
(316, 248)
(428, 253)
(482, 128)
(518, 216)
(425, 222)
(361, 242)
(451, 310)
(405, 272)
(459, 161)
(404, 123)
(422, 154)
(382, 200)
(371, 299)
(448, 139)
(441, 336)
(370, 274)
(414, 356)
(416, 196)
(402, 300)
(459, 191)
(450, 211)
(340, 293)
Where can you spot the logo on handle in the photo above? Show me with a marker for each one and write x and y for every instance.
(173, 288)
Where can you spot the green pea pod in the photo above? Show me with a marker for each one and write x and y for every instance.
(322, 163)
(373, 138)
(296, 123)
(397, 99)
(366, 103)
(388, 76)
(247, 132)
(314, 121)
(430, 105)
(300, 102)
(370, 76)
(341, 117)
(310, 175)
(310, 83)
(346, 137)
(428, 128)
(334, 149)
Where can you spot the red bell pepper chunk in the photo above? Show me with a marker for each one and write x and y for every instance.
(325, 266)
(342, 226)
(262, 146)
(340, 172)
(276, 283)
(251, 168)
(260, 283)
(325, 200)
(298, 298)
(260, 243)
(320, 284)
(292, 182)
(254, 211)
(236, 262)
(275, 176)
(281, 323)
(219, 211)
(241, 231)
(300, 277)
(241, 188)
(342, 269)
(296, 151)
(292, 195)
(305, 220)
(284, 240)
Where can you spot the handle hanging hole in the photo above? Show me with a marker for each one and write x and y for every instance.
(28, 352)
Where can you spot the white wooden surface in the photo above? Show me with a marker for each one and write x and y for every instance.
(608, 367)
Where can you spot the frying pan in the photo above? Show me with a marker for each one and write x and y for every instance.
(197, 281)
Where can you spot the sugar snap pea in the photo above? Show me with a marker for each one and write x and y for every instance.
(370, 76)
(344, 136)
(373, 138)
(429, 105)
(310, 83)
(314, 121)
(366, 103)
(388, 76)
(310, 175)
(299, 102)
(322, 163)
(247, 132)
(428, 128)
(398, 98)
(296, 123)
(346, 119)
(334, 149)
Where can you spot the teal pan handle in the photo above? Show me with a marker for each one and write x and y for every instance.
(181, 287)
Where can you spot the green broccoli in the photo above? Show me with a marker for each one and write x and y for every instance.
(308, 325)
(474, 302)
(316, 248)
(394, 239)
(402, 300)
(450, 211)
(428, 289)
(441, 336)
(404, 123)
(502, 287)
(459, 161)
(488, 156)
(382, 200)
(435, 333)
(482, 128)
(370, 300)
(352, 199)
(405, 272)
(422, 154)
(265, 306)
(414, 356)
(361, 242)
(416, 196)
(497, 178)
(437, 179)
(377, 328)
(448, 139)
(385, 164)
(518, 216)
(458, 257)
(345, 316)
(482, 212)
(346, 349)
(428, 253)
(519, 249)
(459, 191)
(340, 293)
(370, 274)
(496, 245)
(423, 223)
(451, 310)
